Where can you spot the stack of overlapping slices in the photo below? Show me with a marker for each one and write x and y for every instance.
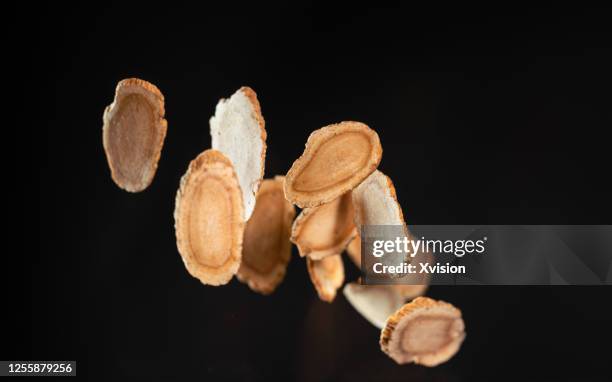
(230, 221)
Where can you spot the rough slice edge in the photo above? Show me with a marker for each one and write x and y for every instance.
(325, 283)
(392, 335)
(313, 143)
(249, 184)
(210, 161)
(156, 99)
(267, 283)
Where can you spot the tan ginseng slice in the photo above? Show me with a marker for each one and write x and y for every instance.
(424, 331)
(325, 230)
(209, 219)
(327, 275)
(266, 248)
(336, 159)
(133, 133)
(238, 130)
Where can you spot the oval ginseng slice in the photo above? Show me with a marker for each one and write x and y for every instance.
(266, 248)
(424, 331)
(238, 130)
(327, 275)
(208, 219)
(133, 133)
(336, 159)
(325, 230)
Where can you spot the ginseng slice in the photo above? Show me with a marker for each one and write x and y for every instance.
(375, 203)
(336, 159)
(266, 248)
(424, 331)
(327, 275)
(209, 219)
(238, 131)
(133, 133)
(374, 302)
(325, 230)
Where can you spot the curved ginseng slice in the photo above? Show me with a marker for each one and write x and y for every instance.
(266, 248)
(377, 302)
(336, 159)
(327, 275)
(375, 203)
(209, 219)
(238, 130)
(325, 230)
(133, 133)
(424, 331)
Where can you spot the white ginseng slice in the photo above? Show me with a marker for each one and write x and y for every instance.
(327, 275)
(133, 133)
(266, 248)
(325, 230)
(335, 160)
(375, 203)
(208, 219)
(424, 331)
(238, 130)
(374, 302)
(377, 302)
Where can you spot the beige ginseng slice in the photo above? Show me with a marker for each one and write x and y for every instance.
(424, 331)
(209, 219)
(336, 159)
(325, 230)
(133, 133)
(266, 249)
(327, 275)
(238, 130)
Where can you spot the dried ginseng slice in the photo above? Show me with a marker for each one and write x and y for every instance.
(266, 248)
(375, 203)
(325, 230)
(327, 275)
(424, 331)
(133, 133)
(353, 249)
(238, 131)
(336, 159)
(374, 302)
(209, 219)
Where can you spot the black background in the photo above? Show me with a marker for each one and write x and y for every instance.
(486, 116)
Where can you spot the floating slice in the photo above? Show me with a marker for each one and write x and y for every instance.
(325, 230)
(327, 275)
(336, 159)
(377, 302)
(266, 249)
(238, 131)
(209, 219)
(133, 133)
(375, 203)
(424, 331)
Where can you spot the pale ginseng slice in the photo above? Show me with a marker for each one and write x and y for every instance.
(209, 219)
(327, 275)
(377, 302)
(266, 248)
(375, 203)
(325, 230)
(424, 331)
(133, 133)
(238, 130)
(336, 159)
